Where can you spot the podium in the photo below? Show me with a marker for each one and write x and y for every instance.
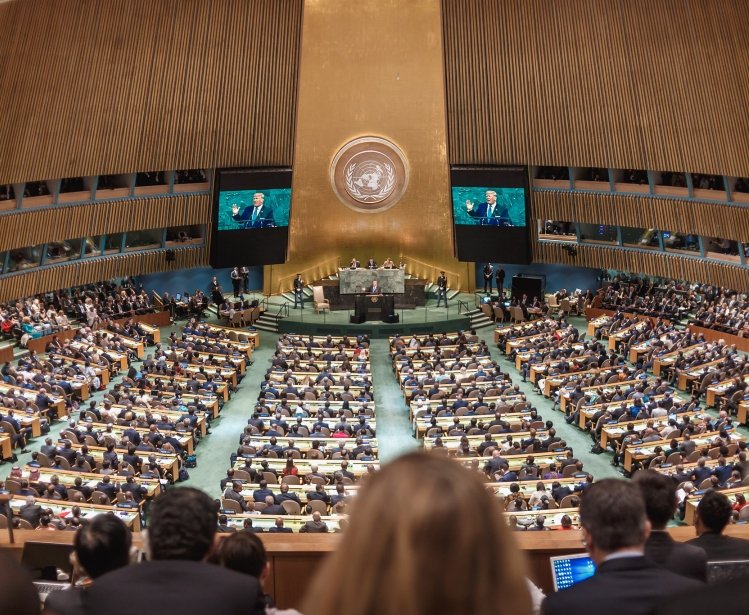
(369, 308)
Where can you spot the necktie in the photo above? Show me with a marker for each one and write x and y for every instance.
(491, 211)
(254, 213)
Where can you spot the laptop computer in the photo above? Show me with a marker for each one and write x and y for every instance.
(566, 570)
(43, 560)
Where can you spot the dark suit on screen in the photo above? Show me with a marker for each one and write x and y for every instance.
(686, 560)
(174, 586)
(262, 219)
(625, 586)
(500, 216)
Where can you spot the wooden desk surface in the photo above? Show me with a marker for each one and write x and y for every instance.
(90, 479)
(295, 558)
(131, 516)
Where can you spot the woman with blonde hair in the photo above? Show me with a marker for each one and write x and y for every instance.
(425, 536)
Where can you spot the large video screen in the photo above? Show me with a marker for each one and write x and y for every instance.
(251, 209)
(490, 214)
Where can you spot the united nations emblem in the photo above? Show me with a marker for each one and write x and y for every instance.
(369, 174)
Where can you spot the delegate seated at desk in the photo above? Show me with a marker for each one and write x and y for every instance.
(354, 264)
(257, 216)
(371, 264)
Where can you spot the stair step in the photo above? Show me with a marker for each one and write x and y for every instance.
(272, 328)
(288, 296)
(481, 322)
(451, 294)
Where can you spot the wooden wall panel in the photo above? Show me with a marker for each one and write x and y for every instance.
(707, 219)
(91, 87)
(71, 222)
(622, 83)
(649, 263)
(94, 270)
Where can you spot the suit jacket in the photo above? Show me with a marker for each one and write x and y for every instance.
(314, 527)
(678, 557)
(719, 547)
(626, 586)
(174, 586)
(721, 598)
(280, 530)
(498, 217)
(263, 219)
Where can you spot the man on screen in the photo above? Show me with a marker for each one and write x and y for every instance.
(489, 213)
(259, 215)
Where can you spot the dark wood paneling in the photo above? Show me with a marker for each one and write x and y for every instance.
(622, 84)
(649, 263)
(708, 219)
(90, 87)
(72, 222)
(94, 270)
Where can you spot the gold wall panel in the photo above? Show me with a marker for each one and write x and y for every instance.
(707, 219)
(29, 228)
(90, 87)
(630, 84)
(649, 263)
(370, 68)
(88, 271)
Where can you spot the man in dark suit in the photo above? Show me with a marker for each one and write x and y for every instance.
(721, 598)
(315, 526)
(259, 215)
(374, 288)
(615, 530)
(442, 288)
(31, 511)
(101, 546)
(500, 277)
(659, 493)
(371, 264)
(182, 526)
(488, 275)
(234, 492)
(108, 488)
(279, 527)
(355, 264)
(489, 213)
(299, 291)
(713, 514)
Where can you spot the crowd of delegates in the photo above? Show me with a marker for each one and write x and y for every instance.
(55, 311)
(704, 305)
(724, 311)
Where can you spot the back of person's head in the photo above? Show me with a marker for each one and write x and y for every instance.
(401, 568)
(182, 525)
(659, 493)
(613, 515)
(713, 512)
(103, 545)
(243, 552)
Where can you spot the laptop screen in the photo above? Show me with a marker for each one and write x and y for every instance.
(567, 570)
(43, 559)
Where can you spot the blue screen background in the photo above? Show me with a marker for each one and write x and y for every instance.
(279, 199)
(512, 198)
